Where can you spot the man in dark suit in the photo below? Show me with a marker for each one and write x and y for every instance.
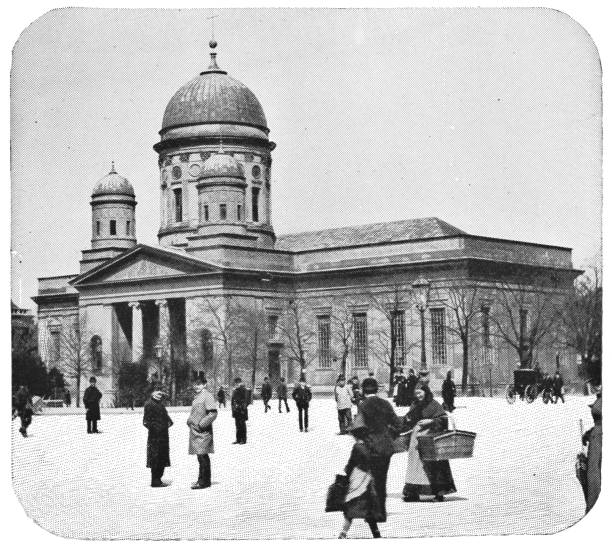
(282, 394)
(557, 387)
(266, 394)
(302, 396)
(157, 421)
(24, 409)
(91, 401)
(240, 410)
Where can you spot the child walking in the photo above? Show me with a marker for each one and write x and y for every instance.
(361, 500)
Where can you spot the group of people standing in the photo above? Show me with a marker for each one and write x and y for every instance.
(200, 422)
(375, 428)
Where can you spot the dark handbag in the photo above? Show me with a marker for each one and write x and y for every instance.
(337, 493)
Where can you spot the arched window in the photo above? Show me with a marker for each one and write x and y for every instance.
(206, 344)
(95, 345)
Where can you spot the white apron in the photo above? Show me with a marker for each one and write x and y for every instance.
(415, 474)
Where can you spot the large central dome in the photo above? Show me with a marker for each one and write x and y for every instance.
(213, 97)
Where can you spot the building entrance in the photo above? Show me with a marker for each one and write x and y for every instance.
(274, 366)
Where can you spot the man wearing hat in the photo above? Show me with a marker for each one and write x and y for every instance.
(383, 424)
(91, 401)
(203, 413)
(240, 410)
(302, 396)
(157, 422)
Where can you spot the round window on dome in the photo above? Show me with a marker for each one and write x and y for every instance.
(194, 170)
(176, 172)
(256, 171)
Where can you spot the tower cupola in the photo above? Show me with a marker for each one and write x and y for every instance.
(113, 212)
(113, 219)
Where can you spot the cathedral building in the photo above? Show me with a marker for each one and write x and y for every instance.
(224, 295)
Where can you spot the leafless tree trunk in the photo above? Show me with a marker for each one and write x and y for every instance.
(524, 314)
(298, 334)
(342, 326)
(463, 301)
(581, 318)
(387, 347)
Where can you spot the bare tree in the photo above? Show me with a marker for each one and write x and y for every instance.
(581, 318)
(524, 314)
(251, 331)
(226, 319)
(391, 345)
(464, 303)
(342, 328)
(78, 355)
(298, 333)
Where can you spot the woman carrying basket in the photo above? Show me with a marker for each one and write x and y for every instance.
(435, 478)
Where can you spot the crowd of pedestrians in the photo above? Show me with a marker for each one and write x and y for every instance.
(370, 419)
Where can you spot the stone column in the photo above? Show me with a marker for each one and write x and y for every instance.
(137, 337)
(164, 326)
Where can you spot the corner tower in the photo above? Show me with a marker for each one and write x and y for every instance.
(210, 109)
(113, 220)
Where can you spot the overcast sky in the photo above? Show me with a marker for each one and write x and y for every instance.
(488, 119)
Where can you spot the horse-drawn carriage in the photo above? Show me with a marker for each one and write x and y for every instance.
(528, 383)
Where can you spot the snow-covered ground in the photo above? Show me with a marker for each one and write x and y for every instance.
(520, 480)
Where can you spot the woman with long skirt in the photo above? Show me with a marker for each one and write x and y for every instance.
(428, 478)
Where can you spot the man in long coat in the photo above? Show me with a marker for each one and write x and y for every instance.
(302, 396)
(91, 401)
(157, 421)
(282, 394)
(200, 421)
(240, 410)
(557, 386)
(23, 407)
(266, 394)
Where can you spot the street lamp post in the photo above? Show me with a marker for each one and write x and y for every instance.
(421, 290)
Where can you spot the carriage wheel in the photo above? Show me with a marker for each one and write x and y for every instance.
(531, 393)
(546, 397)
(510, 394)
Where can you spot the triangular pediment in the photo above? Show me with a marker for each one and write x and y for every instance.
(144, 262)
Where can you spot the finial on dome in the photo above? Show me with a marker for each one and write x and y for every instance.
(213, 44)
(112, 170)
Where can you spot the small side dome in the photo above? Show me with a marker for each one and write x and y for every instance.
(113, 184)
(222, 164)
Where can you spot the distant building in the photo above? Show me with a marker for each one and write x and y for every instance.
(218, 258)
(22, 320)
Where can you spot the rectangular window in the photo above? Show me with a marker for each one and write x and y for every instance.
(272, 327)
(223, 211)
(113, 227)
(127, 227)
(97, 227)
(178, 205)
(255, 199)
(324, 334)
(360, 329)
(239, 209)
(399, 334)
(438, 336)
(206, 215)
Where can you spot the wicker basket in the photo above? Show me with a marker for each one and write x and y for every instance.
(451, 444)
